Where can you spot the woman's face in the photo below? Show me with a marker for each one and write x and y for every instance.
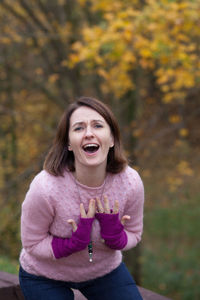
(90, 138)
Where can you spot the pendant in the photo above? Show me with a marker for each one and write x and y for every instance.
(90, 251)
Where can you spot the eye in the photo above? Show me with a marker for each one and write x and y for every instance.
(98, 125)
(78, 128)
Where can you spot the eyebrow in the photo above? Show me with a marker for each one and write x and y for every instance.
(80, 123)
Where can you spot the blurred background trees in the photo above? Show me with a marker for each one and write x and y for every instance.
(141, 58)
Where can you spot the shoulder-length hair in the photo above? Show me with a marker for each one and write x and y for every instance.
(60, 158)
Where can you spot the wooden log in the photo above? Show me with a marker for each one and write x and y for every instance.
(9, 287)
(10, 290)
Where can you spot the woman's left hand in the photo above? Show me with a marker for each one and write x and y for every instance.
(112, 229)
(106, 208)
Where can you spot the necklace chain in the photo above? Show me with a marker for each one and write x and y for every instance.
(90, 245)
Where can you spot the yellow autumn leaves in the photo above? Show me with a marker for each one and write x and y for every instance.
(177, 179)
(160, 37)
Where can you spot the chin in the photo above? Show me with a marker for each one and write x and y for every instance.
(95, 164)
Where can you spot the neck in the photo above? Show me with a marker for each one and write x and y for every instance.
(92, 177)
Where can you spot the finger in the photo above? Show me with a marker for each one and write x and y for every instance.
(124, 219)
(99, 205)
(82, 211)
(73, 224)
(91, 209)
(106, 205)
(116, 207)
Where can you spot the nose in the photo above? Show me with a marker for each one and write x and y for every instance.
(88, 132)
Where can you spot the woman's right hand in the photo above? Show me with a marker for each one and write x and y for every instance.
(81, 233)
(84, 215)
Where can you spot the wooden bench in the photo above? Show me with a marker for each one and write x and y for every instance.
(10, 290)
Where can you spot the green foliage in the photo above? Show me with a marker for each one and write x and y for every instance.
(171, 243)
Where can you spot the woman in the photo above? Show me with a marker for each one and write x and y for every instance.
(81, 211)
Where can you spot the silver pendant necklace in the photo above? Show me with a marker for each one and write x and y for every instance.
(90, 245)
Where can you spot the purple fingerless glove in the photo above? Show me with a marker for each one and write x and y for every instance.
(79, 240)
(112, 231)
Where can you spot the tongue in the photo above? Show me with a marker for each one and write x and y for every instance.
(91, 149)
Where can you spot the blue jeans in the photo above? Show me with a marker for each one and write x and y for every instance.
(117, 285)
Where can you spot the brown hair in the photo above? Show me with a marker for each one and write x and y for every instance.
(59, 157)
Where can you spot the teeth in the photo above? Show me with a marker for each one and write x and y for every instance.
(91, 145)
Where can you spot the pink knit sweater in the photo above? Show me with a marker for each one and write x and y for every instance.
(52, 200)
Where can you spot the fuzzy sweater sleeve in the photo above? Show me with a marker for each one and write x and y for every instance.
(36, 218)
(134, 209)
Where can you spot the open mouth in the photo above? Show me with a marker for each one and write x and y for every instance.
(91, 148)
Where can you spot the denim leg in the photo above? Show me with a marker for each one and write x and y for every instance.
(116, 285)
(41, 288)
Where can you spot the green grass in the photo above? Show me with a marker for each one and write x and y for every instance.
(8, 265)
(171, 250)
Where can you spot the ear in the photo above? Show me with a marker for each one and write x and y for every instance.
(69, 147)
(111, 141)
